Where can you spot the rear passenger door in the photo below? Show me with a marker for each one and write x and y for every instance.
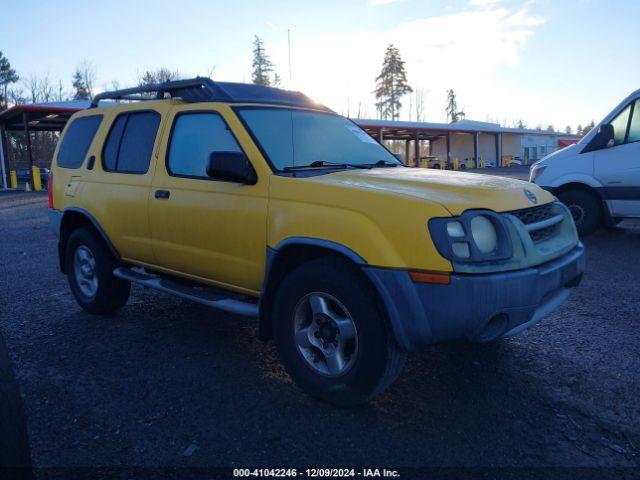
(118, 186)
(203, 228)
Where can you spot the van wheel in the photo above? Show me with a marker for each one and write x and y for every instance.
(332, 336)
(585, 209)
(89, 265)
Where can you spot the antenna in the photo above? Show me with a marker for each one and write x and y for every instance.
(289, 45)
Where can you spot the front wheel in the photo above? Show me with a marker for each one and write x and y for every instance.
(331, 334)
(585, 208)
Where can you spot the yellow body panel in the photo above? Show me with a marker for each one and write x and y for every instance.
(212, 229)
(218, 232)
(117, 201)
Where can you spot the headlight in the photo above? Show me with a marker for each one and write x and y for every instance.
(484, 234)
(536, 171)
(475, 236)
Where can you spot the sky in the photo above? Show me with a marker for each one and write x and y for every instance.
(558, 62)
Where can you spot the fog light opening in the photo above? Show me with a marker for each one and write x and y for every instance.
(495, 328)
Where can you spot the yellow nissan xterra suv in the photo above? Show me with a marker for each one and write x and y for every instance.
(260, 202)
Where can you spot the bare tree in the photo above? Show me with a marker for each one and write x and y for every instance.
(60, 94)
(159, 75)
(40, 88)
(87, 72)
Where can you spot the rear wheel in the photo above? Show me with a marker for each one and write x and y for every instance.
(89, 265)
(332, 336)
(585, 209)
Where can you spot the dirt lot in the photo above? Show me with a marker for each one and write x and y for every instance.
(170, 383)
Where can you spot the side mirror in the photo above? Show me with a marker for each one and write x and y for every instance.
(604, 137)
(231, 167)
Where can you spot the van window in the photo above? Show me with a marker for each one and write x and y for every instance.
(130, 143)
(77, 140)
(634, 128)
(619, 125)
(194, 137)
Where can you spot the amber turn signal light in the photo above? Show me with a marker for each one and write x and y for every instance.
(430, 277)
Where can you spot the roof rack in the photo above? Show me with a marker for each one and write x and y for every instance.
(203, 89)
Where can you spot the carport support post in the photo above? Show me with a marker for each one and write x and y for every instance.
(25, 121)
(3, 157)
(476, 135)
(381, 136)
(499, 150)
(406, 151)
(416, 149)
(448, 161)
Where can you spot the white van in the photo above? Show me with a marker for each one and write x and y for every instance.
(598, 178)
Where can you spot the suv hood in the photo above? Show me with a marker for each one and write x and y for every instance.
(455, 191)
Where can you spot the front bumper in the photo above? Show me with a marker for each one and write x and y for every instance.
(476, 307)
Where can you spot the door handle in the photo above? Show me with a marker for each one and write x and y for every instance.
(162, 194)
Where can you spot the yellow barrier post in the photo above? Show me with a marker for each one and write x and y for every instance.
(455, 163)
(37, 181)
(13, 179)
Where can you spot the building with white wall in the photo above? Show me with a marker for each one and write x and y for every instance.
(470, 142)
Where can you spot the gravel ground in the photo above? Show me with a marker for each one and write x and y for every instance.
(169, 383)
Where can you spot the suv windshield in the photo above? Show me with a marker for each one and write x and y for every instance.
(308, 139)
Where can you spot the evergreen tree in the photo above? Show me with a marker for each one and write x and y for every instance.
(579, 130)
(7, 76)
(550, 128)
(391, 84)
(277, 81)
(262, 66)
(81, 90)
(521, 124)
(587, 128)
(453, 114)
(568, 130)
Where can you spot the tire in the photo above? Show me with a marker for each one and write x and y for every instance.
(87, 259)
(585, 208)
(372, 359)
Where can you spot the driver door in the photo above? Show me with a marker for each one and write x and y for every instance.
(206, 229)
(617, 167)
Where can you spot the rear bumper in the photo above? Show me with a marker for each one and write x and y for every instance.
(475, 307)
(55, 219)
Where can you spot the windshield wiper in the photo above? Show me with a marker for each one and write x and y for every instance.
(383, 163)
(325, 164)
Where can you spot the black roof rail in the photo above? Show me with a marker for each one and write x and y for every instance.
(203, 89)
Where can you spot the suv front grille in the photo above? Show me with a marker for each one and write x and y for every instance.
(531, 216)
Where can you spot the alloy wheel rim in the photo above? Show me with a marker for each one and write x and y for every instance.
(84, 266)
(577, 212)
(325, 334)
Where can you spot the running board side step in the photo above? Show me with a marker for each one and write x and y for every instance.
(211, 297)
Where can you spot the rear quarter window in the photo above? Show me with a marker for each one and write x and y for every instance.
(77, 140)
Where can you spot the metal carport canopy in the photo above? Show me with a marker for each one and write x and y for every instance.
(44, 117)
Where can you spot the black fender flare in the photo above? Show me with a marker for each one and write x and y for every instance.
(66, 214)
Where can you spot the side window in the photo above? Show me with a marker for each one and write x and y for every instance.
(129, 147)
(194, 137)
(619, 125)
(77, 140)
(634, 128)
